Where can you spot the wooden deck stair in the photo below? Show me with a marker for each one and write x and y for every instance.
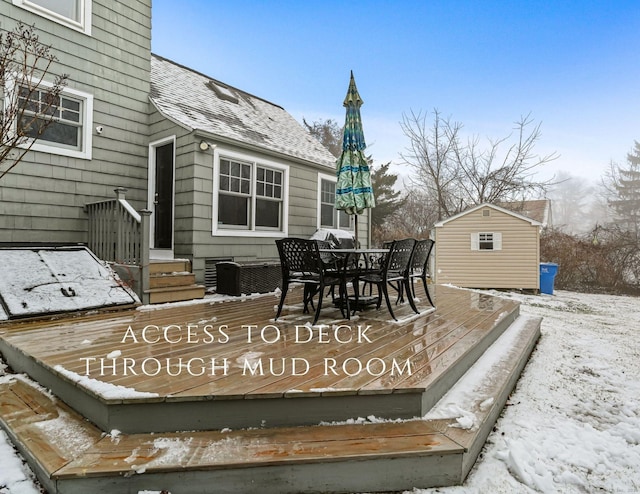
(172, 281)
(72, 456)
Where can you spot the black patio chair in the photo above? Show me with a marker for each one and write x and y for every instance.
(394, 272)
(301, 262)
(419, 266)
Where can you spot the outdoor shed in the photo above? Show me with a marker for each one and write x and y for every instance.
(488, 246)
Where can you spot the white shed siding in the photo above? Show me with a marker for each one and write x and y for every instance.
(516, 265)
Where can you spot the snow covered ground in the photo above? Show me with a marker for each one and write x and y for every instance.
(573, 424)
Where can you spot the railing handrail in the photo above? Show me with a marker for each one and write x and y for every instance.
(115, 229)
(129, 208)
(118, 233)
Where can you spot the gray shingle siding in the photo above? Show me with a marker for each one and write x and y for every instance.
(42, 199)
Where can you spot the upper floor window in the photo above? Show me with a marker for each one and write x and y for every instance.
(251, 197)
(70, 132)
(329, 217)
(72, 13)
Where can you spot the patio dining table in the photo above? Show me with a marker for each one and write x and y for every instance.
(358, 262)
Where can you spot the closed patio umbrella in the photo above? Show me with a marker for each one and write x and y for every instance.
(354, 192)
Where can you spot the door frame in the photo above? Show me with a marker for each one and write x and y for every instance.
(151, 187)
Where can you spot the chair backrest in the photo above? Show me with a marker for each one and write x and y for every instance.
(421, 253)
(399, 256)
(298, 255)
(327, 257)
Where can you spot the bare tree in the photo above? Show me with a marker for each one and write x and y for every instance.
(30, 105)
(461, 175)
(414, 218)
(433, 155)
(328, 132)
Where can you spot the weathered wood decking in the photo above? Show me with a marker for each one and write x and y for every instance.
(178, 379)
(439, 347)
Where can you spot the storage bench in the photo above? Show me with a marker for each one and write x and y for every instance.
(237, 278)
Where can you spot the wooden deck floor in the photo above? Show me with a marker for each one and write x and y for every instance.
(234, 350)
(440, 345)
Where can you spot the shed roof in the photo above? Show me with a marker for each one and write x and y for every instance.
(492, 206)
(200, 103)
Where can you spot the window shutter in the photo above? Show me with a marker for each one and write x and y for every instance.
(497, 241)
(475, 241)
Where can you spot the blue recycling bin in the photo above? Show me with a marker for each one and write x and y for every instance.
(548, 271)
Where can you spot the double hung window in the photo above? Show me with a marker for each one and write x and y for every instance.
(251, 196)
(75, 14)
(329, 216)
(69, 133)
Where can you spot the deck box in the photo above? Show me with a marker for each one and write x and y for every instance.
(235, 278)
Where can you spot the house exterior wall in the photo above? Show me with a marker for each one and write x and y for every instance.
(516, 265)
(43, 197)
(194, 195)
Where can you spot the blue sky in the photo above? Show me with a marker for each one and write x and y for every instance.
(573, 65)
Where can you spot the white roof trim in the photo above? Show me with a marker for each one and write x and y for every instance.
(492, 206)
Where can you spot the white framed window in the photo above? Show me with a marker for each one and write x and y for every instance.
(250, 196)
(70, 132)
(486, 241)
(328, 216)
(75, 14)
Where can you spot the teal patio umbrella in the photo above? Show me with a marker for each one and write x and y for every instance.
(354, 192)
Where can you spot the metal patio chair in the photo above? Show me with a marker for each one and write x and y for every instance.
(394, 272)
(302, 262)
(419, 266)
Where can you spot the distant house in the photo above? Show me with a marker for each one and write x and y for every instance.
(536, 209)
(488, 246)
(222, 172)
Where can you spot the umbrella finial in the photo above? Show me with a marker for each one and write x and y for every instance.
(353, 97)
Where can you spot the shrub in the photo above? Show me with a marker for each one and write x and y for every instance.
(605, 260)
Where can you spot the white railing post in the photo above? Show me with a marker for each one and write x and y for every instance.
(145, 215)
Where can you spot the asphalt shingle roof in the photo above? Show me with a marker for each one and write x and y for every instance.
(190, 99)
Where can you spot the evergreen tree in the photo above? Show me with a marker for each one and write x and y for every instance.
(387, 199)
(626, 185)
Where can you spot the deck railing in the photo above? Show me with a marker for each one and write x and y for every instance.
(120, 234)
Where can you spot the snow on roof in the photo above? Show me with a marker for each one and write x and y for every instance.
(200, 103)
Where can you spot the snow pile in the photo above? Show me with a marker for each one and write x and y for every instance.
(106, 390)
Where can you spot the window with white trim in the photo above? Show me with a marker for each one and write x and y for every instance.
(328, 216)
(70, 132)
(75, 14)
(251, 196)
(486, 241)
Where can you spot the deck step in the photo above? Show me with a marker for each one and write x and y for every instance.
(175, 294)
(172, 281)
(71, 456)
(165, 280)
(169, 266)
